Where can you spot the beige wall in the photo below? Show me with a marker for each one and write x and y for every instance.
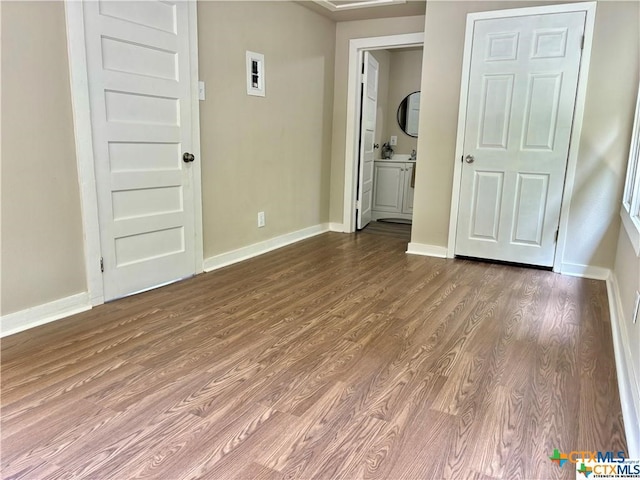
(594, 221)
(612, 147)
(404, 78)
(346, 31)
(42, 246)
(267, 154)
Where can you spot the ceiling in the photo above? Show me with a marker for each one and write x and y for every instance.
(347, 10)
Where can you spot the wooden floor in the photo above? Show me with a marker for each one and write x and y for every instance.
(337, 357)
(389, 229)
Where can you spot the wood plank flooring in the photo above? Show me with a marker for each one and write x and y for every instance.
(337, 357)
(391, 229)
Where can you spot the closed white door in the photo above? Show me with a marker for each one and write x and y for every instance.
(522, 89)
(367, 136)
(140, 95)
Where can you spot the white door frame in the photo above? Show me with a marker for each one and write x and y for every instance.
(357, 46)
(576, 129)
(74, 13)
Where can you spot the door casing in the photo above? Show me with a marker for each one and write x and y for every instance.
(74, 14)
(590, 9)
(357, 47)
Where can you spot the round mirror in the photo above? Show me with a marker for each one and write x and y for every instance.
(409, 113)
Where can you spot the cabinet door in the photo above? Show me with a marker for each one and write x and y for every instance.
(407, 201)
(388, 186)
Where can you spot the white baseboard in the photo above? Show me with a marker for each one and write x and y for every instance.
(48, 312)
(336, 227)
(427, 250)
(628, 379)
(250, 251)
(585, 271)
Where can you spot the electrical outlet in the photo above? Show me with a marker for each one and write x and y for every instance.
(393, 141)
(261, 220)
(634, 319)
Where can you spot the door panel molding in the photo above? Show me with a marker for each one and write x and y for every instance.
(502, 49)
(80, 98)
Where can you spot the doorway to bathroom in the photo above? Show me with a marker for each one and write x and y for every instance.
(396, 135)
(380, 150)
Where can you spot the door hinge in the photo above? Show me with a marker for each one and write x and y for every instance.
(557, 233)
(461, 158)
(102, 264)
(358, 203)
(582, 43)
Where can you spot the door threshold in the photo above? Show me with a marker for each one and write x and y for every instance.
(147, 289)
(504, 262)
(404, 221)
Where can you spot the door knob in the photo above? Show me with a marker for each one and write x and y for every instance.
(376, 145)
(469, 159)
(188, 157)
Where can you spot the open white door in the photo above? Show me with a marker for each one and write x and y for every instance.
(138, 66)
(367, 137)
(520, 104)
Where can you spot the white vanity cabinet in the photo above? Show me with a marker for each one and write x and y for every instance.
(392, 191)
(407, 194)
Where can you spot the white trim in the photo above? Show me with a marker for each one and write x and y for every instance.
(462, 121)
(584, 271)
(250, 251)
(590, 9)
(336, 227)
(76, 45)
(357, 46)
(333, 7)
(576, 129)
(632, 228)
(48, 312)
(631, 195)
(195, 138)
(628, 379)
(427, 250)
(74, 13)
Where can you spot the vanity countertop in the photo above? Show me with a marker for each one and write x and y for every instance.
(397, 158)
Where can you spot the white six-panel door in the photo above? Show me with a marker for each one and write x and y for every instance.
(367, 137)
(139, 84)
(522, 89)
